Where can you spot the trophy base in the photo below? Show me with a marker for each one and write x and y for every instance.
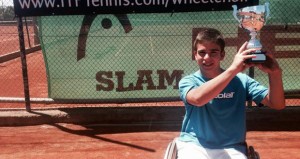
(260, 57)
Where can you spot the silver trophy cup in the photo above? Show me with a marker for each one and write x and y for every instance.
(253, 19)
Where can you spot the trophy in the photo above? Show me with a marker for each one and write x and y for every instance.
(253, 19)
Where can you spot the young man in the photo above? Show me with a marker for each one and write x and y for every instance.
(214, 126)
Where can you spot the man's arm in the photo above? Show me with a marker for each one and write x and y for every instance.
(275, 98)
(209, 90)
(203, 94)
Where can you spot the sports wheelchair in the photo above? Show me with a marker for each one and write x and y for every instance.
(171, 152)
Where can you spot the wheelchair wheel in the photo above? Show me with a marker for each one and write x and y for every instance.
(252, 154)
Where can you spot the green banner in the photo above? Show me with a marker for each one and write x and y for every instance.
(130, 57)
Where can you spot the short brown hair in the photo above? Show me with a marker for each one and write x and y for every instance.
(211, 35)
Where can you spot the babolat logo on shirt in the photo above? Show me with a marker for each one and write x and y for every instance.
(225, 95)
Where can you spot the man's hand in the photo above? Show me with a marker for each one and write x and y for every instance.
(270, 65)
(243, 54)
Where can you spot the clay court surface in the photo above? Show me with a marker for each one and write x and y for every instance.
(124, 141)
(103, 141)
(121, 142)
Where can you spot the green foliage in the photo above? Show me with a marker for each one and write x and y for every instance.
(7, 13)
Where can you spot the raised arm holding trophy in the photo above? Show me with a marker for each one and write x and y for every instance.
(253, 19)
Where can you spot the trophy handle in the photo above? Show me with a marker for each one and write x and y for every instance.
(267, 7)
(235, 12)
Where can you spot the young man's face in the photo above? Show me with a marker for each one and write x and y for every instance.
(208, 56)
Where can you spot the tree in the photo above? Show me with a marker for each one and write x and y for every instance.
(8, 13)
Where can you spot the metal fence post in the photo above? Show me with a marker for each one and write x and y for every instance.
(36, 40)
(251, 74)
(24, 64)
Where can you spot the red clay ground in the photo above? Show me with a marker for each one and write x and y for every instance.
(103, 142)
(121, 142)
(9, 39)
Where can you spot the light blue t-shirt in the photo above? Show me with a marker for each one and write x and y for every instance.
(221, 123)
